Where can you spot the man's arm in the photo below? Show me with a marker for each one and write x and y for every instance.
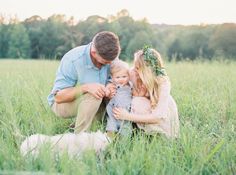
(70, 94)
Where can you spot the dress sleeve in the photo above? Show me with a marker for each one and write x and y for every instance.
(161, 110)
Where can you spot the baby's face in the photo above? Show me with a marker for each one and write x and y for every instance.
(121, 77)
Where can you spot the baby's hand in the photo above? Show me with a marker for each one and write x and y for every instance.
(107, 92)
(110, 90)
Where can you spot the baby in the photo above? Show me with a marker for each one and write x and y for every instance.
(122, 99)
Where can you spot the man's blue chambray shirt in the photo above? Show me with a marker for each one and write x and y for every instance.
(76, 67)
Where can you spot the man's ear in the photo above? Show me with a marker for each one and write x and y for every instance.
(93, 53)
(93, 50)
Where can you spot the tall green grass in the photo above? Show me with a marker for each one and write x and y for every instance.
(206, 97)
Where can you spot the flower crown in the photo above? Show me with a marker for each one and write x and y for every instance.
(152, 61)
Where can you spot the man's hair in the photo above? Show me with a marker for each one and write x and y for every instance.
(107, 45)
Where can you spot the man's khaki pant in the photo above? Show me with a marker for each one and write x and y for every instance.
(86, 108)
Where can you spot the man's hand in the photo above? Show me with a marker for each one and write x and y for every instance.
(111, 88)
(95, 89)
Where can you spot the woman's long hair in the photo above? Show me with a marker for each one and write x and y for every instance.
(148, 77)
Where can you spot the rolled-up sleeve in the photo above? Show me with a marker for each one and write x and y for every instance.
(66, 75)
(161, 110)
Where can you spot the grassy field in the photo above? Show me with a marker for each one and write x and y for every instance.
(206, 97)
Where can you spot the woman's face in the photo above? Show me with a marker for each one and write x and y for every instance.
(136, 68)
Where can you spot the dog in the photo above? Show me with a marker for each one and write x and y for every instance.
(73, 144)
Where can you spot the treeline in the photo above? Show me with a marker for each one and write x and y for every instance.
(51, 38)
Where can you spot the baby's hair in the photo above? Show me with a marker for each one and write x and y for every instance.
(119, 65)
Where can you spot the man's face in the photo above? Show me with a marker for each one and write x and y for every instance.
(98, 60)
(102, 61)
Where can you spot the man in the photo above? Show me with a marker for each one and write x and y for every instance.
(80, 81)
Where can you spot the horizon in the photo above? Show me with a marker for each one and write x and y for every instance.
(15, 16)
(182, 12)
(8, 16)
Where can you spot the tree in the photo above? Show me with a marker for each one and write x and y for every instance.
(223, 40)
(19, 43)
(128, 31)
(34, 28)
(191, 44)
(71, 38)
(140, 39)
(4, 40)
(91, 26)
(52, 33)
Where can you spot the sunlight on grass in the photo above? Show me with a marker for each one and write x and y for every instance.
(205, 95)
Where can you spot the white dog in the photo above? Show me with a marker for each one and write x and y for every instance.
(73, 144)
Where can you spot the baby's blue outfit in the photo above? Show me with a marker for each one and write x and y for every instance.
(121, 99)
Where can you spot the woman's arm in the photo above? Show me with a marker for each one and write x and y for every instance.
(122, 114)
(158, 114)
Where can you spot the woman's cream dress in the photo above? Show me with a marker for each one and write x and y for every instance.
(165, 110)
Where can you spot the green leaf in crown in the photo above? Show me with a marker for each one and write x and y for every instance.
(152, 61)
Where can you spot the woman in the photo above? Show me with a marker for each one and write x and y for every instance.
(153, 108)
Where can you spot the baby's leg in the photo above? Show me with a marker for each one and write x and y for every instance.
(112, 123)
(125, 128)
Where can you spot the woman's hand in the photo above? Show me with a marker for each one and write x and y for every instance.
(121, 114)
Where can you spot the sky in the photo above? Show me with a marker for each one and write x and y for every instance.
(186, 12)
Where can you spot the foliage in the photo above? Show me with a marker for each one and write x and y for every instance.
(152, 61)
(223, 40)
(34, 28)
(4, 38)
(53, 37)
(192, 44)
(19, 43)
